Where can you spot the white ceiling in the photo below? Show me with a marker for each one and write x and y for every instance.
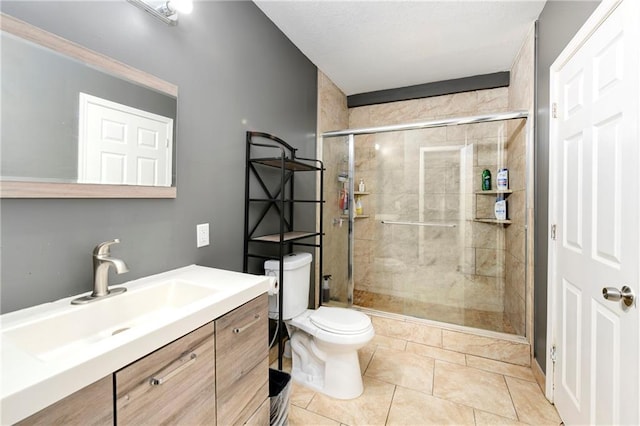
(364, 46)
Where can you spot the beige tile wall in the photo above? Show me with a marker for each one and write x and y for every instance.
(333, 115)
(517, 281)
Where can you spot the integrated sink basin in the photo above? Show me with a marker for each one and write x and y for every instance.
(50, 351)
(68, 331)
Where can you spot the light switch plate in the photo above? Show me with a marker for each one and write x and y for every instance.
(202, 235)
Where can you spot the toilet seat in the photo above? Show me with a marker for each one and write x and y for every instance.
(340, 320)
(354, 330)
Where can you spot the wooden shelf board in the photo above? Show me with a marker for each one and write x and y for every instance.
(293, 165)
(288, 236)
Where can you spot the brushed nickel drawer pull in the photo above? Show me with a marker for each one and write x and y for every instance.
(158, 381)
(237, 330)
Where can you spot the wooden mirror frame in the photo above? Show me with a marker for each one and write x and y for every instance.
(27, 189)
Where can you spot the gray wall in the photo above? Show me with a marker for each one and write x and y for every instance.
(235, 72)
(558, 23)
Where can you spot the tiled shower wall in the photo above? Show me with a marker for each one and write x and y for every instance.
(518, 283)
(333, 115)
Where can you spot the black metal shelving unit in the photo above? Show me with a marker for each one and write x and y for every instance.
(269, 225)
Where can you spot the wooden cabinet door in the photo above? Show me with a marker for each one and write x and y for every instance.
(173, 385)
(242, 363)
(92, 405)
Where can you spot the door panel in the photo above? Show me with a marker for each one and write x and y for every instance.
(594, 192)
(120, 145)
(573, 188)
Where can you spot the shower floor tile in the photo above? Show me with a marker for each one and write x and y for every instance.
(486, 320)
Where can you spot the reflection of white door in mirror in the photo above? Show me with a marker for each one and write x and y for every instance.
(121, 145)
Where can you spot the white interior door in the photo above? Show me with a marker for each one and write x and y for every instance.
(121, 145)
(594, 193)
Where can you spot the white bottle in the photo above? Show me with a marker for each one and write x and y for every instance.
(503, 179)
(361, 186)
(501, 208)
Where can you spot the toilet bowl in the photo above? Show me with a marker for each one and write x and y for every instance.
(324, 342)
(324, 349)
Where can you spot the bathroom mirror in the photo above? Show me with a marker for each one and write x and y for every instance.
(58, 99)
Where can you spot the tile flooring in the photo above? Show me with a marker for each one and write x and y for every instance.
(414, 380)
(486, 320)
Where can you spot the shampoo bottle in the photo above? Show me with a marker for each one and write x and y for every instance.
(358, 206)
(501, 208)
(345, 201)
(503, 179)
(486, 180)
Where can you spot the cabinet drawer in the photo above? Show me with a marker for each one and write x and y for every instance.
(175, 384)
(92, 405)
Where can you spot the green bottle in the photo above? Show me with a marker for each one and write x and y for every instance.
(486, 180)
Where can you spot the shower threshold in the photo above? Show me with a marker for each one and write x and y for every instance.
(473, 318)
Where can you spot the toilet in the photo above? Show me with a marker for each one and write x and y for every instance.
(324, 342)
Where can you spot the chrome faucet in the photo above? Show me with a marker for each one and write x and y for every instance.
(102, 260)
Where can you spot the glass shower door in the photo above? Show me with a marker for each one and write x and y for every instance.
(409, 252)
(335, 155)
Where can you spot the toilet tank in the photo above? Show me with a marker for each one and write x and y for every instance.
(297, 274)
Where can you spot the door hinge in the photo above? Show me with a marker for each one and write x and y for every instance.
(554, 110)
(552, 353)
(553, 232)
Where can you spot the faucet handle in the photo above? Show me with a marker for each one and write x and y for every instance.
(102, 249)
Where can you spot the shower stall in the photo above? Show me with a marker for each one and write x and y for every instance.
(409, 229)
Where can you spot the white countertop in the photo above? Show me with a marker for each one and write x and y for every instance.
(29, 383)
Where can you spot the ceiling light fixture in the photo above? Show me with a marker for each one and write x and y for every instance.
(165, 10)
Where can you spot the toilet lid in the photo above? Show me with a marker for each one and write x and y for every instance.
(340, 320)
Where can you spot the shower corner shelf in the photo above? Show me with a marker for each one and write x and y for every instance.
(494, 192)
(272, 179)
(495, 221)
(360, 216)
(506, 192)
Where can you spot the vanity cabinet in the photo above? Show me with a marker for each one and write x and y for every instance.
(217, 374)
(90, 406)
(173, 385)
(242, 364)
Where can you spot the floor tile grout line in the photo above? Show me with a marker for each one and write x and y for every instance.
(466, 356)
(386, 420)
(515, 409)
(311, 399)
(456, 403)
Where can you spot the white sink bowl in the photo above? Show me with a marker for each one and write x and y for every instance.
(49, 351)
(66, 332)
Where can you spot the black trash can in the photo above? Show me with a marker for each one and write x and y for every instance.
(279, 395)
